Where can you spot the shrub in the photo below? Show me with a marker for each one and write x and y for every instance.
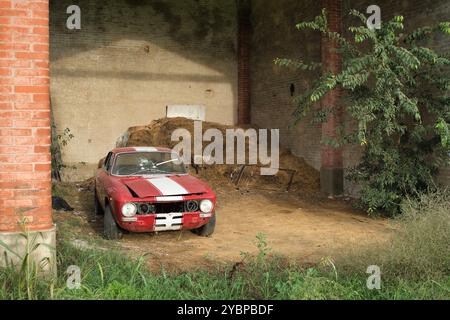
(396, 90)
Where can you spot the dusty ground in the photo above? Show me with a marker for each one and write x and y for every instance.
(302, 230)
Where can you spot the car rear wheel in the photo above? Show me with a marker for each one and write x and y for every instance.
(208, 229)
(97, 206)
(111, 230)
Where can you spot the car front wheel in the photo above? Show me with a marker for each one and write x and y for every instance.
(208, 229)
(111, 230)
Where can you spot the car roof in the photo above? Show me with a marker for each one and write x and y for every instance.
(141, 149)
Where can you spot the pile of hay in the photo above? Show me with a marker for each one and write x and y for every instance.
(159, 132)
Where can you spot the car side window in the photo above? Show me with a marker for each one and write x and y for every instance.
(108, 161)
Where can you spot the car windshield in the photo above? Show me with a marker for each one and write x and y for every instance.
(142, 163)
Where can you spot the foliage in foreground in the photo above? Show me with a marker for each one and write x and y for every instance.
(111, 275)
(420, 249)
(415, 265)
(397, 91)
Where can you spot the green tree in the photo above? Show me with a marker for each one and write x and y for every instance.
(397, 91)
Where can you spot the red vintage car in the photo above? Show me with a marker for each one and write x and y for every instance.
(149, 190)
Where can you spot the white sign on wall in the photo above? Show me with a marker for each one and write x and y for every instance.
(194, 112)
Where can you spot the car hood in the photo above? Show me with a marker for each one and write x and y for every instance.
(162, 186)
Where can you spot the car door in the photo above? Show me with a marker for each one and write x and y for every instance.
(102, 178)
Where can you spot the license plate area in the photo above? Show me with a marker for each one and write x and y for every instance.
(168, 221)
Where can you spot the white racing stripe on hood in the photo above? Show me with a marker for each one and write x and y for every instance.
(145, 149)
(169, 199)
(168, 187)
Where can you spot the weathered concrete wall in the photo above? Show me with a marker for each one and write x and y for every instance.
(275, 35)
(39, 247)
(130, 59)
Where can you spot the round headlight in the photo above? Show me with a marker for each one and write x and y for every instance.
(129, 210)
(206, 206)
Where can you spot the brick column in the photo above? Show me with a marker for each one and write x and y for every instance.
(244, 34)
(25, 162)
(331, 173)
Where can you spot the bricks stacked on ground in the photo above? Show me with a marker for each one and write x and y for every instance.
(25, 162)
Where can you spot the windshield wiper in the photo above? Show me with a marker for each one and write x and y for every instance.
(165, 162)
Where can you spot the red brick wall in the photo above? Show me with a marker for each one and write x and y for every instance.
(244, 34)
(274, 36)
(332, 62)
(25, 182)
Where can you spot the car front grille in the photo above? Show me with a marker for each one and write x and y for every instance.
(169, 207)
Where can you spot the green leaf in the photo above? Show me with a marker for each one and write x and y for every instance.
(444, 131)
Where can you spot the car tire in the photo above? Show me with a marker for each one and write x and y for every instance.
(111, 230)
(97, 206)
(208, 229)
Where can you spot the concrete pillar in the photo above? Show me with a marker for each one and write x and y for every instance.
(244, 37)
(25, 162)
(332, 173)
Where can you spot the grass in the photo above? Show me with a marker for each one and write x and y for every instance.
(414, 264)
(420, 248)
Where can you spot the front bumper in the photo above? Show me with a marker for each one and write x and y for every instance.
(165, 222)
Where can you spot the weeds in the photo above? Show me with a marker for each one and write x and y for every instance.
(22, 274)
(420, 247)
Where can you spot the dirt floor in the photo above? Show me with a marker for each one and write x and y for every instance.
(299, 224)
(302, 230)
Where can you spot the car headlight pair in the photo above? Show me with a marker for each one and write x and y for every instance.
(130, 209)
